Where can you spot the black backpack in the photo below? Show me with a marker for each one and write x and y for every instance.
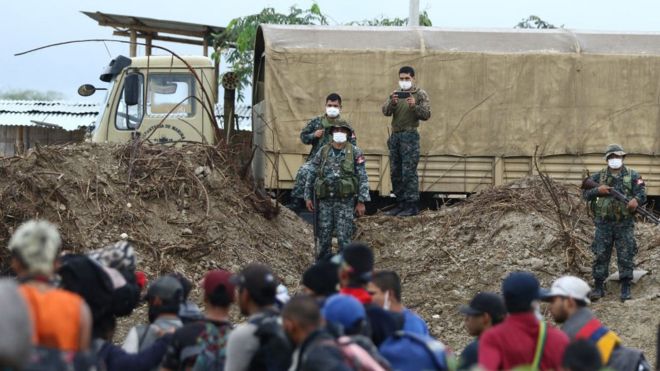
(275, 349)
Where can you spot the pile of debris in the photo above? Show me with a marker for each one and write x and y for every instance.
(536, 225)
(186, 209)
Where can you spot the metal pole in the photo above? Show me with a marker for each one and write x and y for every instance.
(413, 13)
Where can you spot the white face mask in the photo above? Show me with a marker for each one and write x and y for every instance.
(405, 84)
(339, 137)
(615, 163)
(332, 112)
(386, 302)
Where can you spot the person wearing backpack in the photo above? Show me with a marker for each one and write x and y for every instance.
(189, 310)
(569, 306)
(316, 349)
(521, 340)
(485, 310)
(338, 177)
(346, 319)
(164, 298)
(321, 281)
(202, 345)
(385, 287)
(259, 344)
(61, 320)
(356, 264)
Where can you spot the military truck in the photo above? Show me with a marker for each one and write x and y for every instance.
(497, 97)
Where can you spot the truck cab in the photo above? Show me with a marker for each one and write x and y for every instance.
(157, 98)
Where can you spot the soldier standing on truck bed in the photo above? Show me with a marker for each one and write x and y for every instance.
(615, 222)
(337, 177)
(316, 133)
(407, 107)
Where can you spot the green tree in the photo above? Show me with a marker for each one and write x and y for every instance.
(27, 94)
(424, 20)
(534, 21)
(238, 38)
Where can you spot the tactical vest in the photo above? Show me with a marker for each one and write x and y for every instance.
(347, 185)
(608, 207)
(404, 117)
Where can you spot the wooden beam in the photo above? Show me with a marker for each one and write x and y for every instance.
(147, 29)
(148, 39)
(133, 48)
(205, 46)
(160, 38)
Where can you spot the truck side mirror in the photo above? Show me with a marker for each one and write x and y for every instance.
(86, 90)
(132, 89)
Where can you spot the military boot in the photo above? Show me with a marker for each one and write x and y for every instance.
(397, 209)
(625, 290)
(410, 210)
(598, 291)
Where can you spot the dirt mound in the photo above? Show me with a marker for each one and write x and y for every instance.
(446, 257)
(186, 209)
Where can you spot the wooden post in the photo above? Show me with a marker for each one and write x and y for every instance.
(205, 46)
(20, 143)
(133, 49)
(148, 40)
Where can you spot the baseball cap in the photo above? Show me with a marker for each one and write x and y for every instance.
(36, 243)
(260, 282)
(216, 278)
(568, 286)
(614, 149)
(485, 302)
(167, 288)
(344, 310)
(520, 289)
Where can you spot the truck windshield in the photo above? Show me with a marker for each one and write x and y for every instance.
(170, 93)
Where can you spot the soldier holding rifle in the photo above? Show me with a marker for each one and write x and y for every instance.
(614, 219)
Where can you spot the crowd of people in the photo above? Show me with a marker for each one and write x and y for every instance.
(60, 313)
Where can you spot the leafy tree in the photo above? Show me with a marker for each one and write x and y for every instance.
(27, 94)
(239, 36)
(534, 21)
(424, 20)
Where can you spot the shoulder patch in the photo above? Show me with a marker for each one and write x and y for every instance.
(360, 159)
(639, 181)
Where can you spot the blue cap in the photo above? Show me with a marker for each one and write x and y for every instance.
(343, 310)
(520, 289)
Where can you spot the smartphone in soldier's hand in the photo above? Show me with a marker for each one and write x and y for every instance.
(402, 94)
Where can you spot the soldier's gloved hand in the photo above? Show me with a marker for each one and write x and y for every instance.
(360, 209)
(310, 205)
(604, 190)
(394, 99)
(411, 101)
(632, 205)
(319, 133)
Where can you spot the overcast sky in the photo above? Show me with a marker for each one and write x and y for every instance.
(31, 23)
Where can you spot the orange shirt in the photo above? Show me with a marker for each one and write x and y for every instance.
(55, 316)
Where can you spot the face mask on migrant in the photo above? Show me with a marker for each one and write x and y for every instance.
(332, 112)
(339, 137)
(615, 163)
(405, 84)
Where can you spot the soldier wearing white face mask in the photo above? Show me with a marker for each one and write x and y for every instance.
(338, 179)
(615, 222)
(317, 134)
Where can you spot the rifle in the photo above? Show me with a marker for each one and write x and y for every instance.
(316, 225)
(589, 183)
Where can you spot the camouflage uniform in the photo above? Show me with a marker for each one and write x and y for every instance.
(615, 225)
(335, 213)
(307, 137)
(403, 143)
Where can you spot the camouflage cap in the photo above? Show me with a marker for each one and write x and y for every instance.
(36, 243)
(342, 124)
(614, 149)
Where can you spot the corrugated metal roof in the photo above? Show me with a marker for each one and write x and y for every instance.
(67, 115)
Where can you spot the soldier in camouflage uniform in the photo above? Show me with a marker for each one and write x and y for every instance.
(316, 133)
(614, 220)
(407, 107)
(337, 178)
